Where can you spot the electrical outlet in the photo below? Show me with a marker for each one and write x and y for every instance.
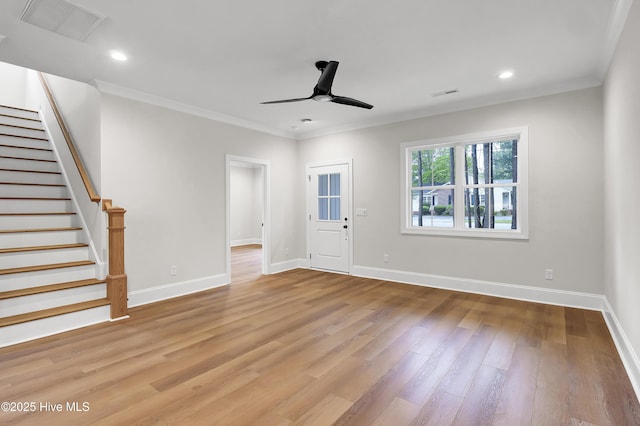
(174, 270)
(548, 274)
(385, 258)
(286, 251)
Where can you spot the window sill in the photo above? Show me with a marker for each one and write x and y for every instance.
(468, 233)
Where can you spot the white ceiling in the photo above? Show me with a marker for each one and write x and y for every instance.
(224, 57)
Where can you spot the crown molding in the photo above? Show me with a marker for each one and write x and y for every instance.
(617, 19)
(137, 95)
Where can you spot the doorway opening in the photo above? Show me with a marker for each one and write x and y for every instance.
(248, 222)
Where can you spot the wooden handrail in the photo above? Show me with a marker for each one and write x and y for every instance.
(116, 278)
(93, 195)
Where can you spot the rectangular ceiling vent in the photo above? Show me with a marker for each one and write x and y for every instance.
(445, 92)
(61, 17)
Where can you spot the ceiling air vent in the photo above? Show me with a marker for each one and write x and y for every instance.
(445, 92)
(62, 17)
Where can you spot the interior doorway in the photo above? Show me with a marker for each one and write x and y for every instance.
(247, 208)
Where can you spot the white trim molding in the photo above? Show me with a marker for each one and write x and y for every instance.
(147, 98)
(628, 355)
(594, 302)
(288, 265)
(169, 291)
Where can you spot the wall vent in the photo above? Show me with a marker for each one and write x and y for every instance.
(445, 92)
(61, 17)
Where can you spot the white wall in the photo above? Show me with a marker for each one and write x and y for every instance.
(565, 187)
(79, 105)
(168, 170)
(12, 85)
(622, 176)
(246, 200)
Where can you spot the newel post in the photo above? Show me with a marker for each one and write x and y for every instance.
(116, 278)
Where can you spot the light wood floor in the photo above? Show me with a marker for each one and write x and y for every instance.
(306, 347)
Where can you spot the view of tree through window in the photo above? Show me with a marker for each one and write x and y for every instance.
(465, 185)
(490, 190)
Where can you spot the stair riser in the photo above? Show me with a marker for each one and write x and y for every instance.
(11, 151)
(28, 222)
(18, 333)
(41, 257)
(23, 122)
(30, 239)
(30, 143)
(26, 177)
(33, 191)
(54, 276)
(35, 206)
(18, 112)
(19, 164)
(22, 132)
(37, 302)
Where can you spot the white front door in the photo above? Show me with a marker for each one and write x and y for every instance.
(329, 230)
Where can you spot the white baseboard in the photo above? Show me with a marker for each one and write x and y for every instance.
(246, 242)
(287, 265)
(169, 291)
(589, 301)
(625, 349)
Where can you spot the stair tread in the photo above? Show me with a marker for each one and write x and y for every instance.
(40, 248)
(24, 137)
(47, 313)
(21, 127)
(21, 118)
(18, 231)
(47, 267)
(30, 171)
(27, 159)
(2, 145)
(18, 108)
(49, 288)
(32, 184)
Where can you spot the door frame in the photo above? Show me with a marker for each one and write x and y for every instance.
(266, 206)
(308, 166)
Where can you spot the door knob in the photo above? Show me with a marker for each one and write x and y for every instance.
(345, 226)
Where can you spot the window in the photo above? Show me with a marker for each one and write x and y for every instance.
(472, 185)
(329, 196)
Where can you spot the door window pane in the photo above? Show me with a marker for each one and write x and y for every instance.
(323, 208)
(323, 185)
(335, 184)
(335, 208)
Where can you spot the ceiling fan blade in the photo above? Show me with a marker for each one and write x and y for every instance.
(326, 78)
(351, 102)
(284, 101)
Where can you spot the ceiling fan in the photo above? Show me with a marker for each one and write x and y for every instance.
(322, 91)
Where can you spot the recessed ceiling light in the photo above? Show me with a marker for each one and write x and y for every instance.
(505, 74)
(118, 56)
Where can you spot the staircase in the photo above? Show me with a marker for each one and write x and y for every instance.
(48, 281)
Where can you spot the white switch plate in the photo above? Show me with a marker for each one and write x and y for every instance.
(361, 212)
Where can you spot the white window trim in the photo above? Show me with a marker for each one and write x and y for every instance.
(520, 133)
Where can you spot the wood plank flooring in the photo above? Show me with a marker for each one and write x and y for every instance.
(307, 347)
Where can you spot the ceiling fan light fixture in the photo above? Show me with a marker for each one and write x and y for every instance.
(118, 56)
(322, 98)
